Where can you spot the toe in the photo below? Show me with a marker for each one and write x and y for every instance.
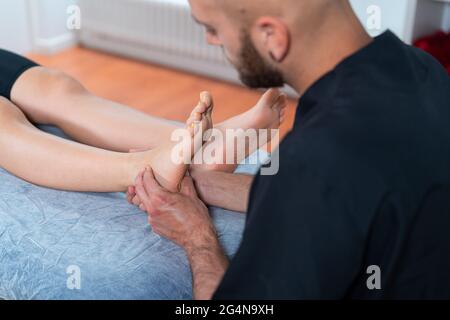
(194, 119)
(199, 109)
(207, 99)
(197, 116)
(281, 102)
(191, 130)
(209, 112)
(269, 98)
(273, 94)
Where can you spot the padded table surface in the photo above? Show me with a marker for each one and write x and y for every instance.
(46, 234)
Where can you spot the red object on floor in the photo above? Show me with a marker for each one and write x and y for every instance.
(438, 45)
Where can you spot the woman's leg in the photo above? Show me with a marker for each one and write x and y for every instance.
(50, 97)
(244, 131)
(53, 162)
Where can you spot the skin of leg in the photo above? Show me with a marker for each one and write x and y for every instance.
(51, 97)
(49, 161)
(48, 96)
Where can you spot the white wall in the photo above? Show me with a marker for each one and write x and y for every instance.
(446, 18)
(394, 15)
(430, 16)
(35, 25)
(52, 17)
(409, 19)
(49, 30)
(14, 26)
(40, 25)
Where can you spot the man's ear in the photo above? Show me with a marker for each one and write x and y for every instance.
(272, 36)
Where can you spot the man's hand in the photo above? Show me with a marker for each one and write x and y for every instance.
(133, 198)
(184, 219)
(180, 217)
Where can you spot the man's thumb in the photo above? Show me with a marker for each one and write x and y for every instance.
(188, 187)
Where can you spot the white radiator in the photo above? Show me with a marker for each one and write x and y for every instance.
(159, 31)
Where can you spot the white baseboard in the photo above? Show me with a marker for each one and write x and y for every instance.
(55, 44)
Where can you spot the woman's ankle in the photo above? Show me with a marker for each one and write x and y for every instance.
(135, 163)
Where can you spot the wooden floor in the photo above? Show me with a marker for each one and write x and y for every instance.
(153, 89)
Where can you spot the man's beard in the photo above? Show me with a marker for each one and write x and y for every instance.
(254, 72)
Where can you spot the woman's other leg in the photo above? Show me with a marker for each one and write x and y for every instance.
(48, 96)
(51, 97)
(46, 160)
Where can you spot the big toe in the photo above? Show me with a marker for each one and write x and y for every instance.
(207, 99)
(269, 98)
(199, 110)
(196, 116)
(282, 102)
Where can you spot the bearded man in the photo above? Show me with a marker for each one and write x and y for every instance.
(360, 207)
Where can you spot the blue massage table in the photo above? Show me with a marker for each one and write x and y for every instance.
(47, 237)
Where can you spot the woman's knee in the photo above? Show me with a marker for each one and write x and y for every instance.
(48, 83)
(61, 84)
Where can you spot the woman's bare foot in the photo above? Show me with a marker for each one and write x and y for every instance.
(268, 113)
(202, 113)
(170, 173)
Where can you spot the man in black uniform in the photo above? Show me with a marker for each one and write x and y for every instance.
(361, 205)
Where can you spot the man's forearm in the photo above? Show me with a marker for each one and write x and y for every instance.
(223, 190)
(208, 264)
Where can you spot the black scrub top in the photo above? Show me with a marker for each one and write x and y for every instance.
(361, 205)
